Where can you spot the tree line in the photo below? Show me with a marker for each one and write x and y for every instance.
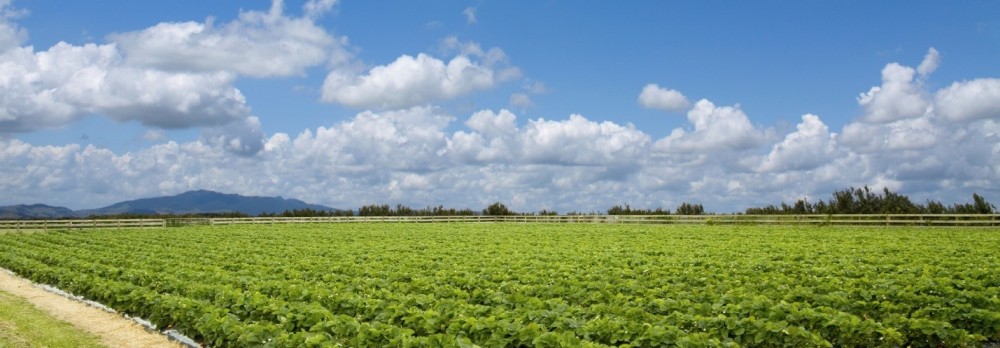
(402, 210)
(683, 209)
(864, 200)
(852, 200)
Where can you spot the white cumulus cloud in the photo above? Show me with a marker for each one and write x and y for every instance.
(930, 63)
(257, 44)
(970, 100)
(243, 137)
(580, 141)
(897, 98)
(10, 35)
(411, 81)
(314, 9)
(54, 87)
(655, 97)
(906, 134)
(810, 146)
(946, 142)
(407, 139)
(715, 128)
(576, 141)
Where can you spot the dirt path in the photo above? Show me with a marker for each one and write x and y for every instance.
(113, 329)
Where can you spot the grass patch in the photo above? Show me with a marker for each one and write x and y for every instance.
(23, 325)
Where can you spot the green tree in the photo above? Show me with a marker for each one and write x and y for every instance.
(497, 209)
(690, 209)
(981, 206)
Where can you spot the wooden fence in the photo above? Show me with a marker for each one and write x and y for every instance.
(983, 220)
(33, 225)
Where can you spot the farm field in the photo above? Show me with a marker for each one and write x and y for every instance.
(545, 285)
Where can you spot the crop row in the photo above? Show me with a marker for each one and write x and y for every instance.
(534, 284)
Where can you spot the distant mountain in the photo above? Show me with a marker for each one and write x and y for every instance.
(35, 211)
(203, 202)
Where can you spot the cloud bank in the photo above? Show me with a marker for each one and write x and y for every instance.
(169, 76)
(410, 156)
(401, 148)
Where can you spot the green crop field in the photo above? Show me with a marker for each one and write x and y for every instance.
(543, 285)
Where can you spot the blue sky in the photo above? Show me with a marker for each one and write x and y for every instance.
(572, 106)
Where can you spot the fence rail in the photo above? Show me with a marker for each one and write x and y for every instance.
(30, 225)
(846, 219)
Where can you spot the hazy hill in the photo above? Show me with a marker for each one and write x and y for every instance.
(202, 201)
(35, 211)
(191, 202)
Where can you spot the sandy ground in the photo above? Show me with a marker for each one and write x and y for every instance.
(113, 329)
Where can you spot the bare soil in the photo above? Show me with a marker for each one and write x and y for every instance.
(113, 329)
